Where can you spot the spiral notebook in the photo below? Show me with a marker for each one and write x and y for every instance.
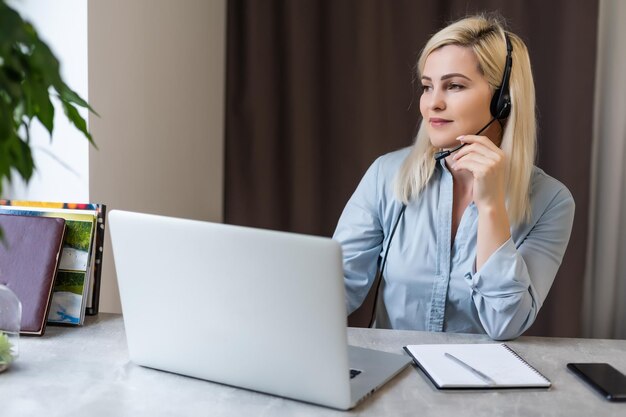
(475, 366)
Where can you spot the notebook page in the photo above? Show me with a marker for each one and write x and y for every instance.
(497, 361)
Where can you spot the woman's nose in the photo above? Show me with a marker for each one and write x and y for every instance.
(436, 100)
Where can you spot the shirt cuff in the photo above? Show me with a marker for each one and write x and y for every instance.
(503, 273)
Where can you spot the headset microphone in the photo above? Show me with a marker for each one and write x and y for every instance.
(500, 106)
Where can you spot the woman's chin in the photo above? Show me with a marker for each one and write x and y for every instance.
(443, 140)
(444, 143)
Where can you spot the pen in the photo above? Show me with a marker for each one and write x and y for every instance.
(473, 370)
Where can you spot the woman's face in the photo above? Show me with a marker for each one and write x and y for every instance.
(456, 96)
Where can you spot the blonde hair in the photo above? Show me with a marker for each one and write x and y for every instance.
(485, 36)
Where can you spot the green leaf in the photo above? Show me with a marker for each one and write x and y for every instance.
(15, 153)
(20, 157)
(72, 114)
(10, 88)
(38, 104)
(5, 164)
(44, 110)
(45, 64)
(70, 96)
(6, 123)
(10, 23)
(25, 165)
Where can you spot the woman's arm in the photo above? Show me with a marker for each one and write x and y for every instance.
(360, 233)
(511, 286)
(487, 163)
(512, 282)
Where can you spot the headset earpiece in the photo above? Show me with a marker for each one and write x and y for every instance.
(501, 102)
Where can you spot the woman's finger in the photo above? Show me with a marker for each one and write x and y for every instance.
(478, 148)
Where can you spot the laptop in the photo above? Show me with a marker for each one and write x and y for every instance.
(251, 308)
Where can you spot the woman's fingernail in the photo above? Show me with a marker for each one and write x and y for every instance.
(460, 137)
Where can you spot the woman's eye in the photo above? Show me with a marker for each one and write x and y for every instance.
(426, 88)
(454, 86)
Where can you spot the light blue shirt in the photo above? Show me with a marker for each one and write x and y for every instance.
(431, 283)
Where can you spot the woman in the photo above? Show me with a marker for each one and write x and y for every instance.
(481, 232)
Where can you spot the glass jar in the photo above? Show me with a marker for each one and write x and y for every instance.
(10, 320)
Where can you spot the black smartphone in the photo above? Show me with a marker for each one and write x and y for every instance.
(605, 379)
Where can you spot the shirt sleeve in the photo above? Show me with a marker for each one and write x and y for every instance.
(512, 284)
(360, 233)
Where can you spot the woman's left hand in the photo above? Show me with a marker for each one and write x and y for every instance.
(487, 163)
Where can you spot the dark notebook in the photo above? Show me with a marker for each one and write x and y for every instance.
(29, 256)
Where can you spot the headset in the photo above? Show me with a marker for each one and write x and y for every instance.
(501, 102)
(500, 108)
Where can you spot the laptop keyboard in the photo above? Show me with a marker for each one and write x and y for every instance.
(354, 372)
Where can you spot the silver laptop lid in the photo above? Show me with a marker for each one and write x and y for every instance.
(257, 309)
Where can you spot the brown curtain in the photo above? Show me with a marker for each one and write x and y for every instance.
(317, 89)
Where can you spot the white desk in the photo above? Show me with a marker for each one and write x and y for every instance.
(86, 372)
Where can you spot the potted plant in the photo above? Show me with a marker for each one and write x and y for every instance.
(29, 81)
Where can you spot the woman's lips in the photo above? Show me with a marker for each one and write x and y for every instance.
(435, 122)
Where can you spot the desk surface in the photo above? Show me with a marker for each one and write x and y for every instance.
(86, 372)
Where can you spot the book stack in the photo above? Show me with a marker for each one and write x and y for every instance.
(76, 289)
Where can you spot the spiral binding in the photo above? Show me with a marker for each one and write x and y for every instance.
(532, 368)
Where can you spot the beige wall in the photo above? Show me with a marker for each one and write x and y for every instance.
(157, 78)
